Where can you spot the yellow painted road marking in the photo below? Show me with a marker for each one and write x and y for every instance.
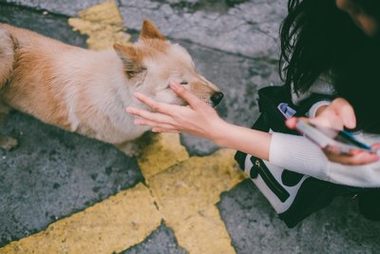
(186, 189)
(187, 194)
(103, 24)
(163, 152)
(194, 184)
(204, 233)
(110, 226)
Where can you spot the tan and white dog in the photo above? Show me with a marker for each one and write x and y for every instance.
(87, 91)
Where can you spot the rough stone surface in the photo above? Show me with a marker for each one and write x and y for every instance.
(186, 188)
(47, 24)
(162, 241)
(186, 195)
(102, 24)
(160, 152)
(64, 7)
(204, 233)
(234, 44)
(107, 227)
(255, 228)
(244, 27)
(247, 27)
(53, 174)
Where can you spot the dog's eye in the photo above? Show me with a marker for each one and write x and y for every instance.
(184, 83)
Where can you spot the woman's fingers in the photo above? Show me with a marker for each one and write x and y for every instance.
(346, 112)
(357, 158)
(376, 146)
(291, 123)
(170, 130)
(190, 98)
(158, 122)
(153, 124)
(154, 105)
(155, 117)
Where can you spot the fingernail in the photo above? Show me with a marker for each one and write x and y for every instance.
(137, 122)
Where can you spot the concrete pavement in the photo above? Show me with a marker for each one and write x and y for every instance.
(64, 193)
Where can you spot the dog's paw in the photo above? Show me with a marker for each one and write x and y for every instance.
(136, 147)
(130, 148)
(8, 143)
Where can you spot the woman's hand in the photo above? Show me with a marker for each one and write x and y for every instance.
(201, 120)
(198, 119)
(337, 115)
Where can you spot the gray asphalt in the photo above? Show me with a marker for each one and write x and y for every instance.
(235, 44)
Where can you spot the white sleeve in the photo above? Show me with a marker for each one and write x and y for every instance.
(298, 154)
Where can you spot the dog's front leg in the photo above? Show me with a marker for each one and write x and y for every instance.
(129, 148)
(7, 143)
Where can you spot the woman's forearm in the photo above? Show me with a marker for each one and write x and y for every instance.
(301, 155)
(295, 153)
(253, 142)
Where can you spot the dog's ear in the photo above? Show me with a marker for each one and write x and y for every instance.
(150, 31)
(132, 59)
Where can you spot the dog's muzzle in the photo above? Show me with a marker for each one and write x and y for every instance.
(216, 98)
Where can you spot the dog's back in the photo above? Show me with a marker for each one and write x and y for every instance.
(27, 71)
(7, 46)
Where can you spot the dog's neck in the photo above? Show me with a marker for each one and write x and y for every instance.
(133, 86)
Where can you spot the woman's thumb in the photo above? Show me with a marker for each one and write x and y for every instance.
(345, 112)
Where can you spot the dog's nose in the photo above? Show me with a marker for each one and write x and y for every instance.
(216, 98)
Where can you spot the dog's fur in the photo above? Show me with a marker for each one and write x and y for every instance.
(87, 91)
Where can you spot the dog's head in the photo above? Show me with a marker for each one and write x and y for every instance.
(153, 62)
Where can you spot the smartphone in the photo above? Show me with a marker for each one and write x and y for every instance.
(344, 141)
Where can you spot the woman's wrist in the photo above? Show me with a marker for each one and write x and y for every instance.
(219, 132)
(254, 142)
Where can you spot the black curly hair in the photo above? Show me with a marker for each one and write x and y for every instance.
(318, 39)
